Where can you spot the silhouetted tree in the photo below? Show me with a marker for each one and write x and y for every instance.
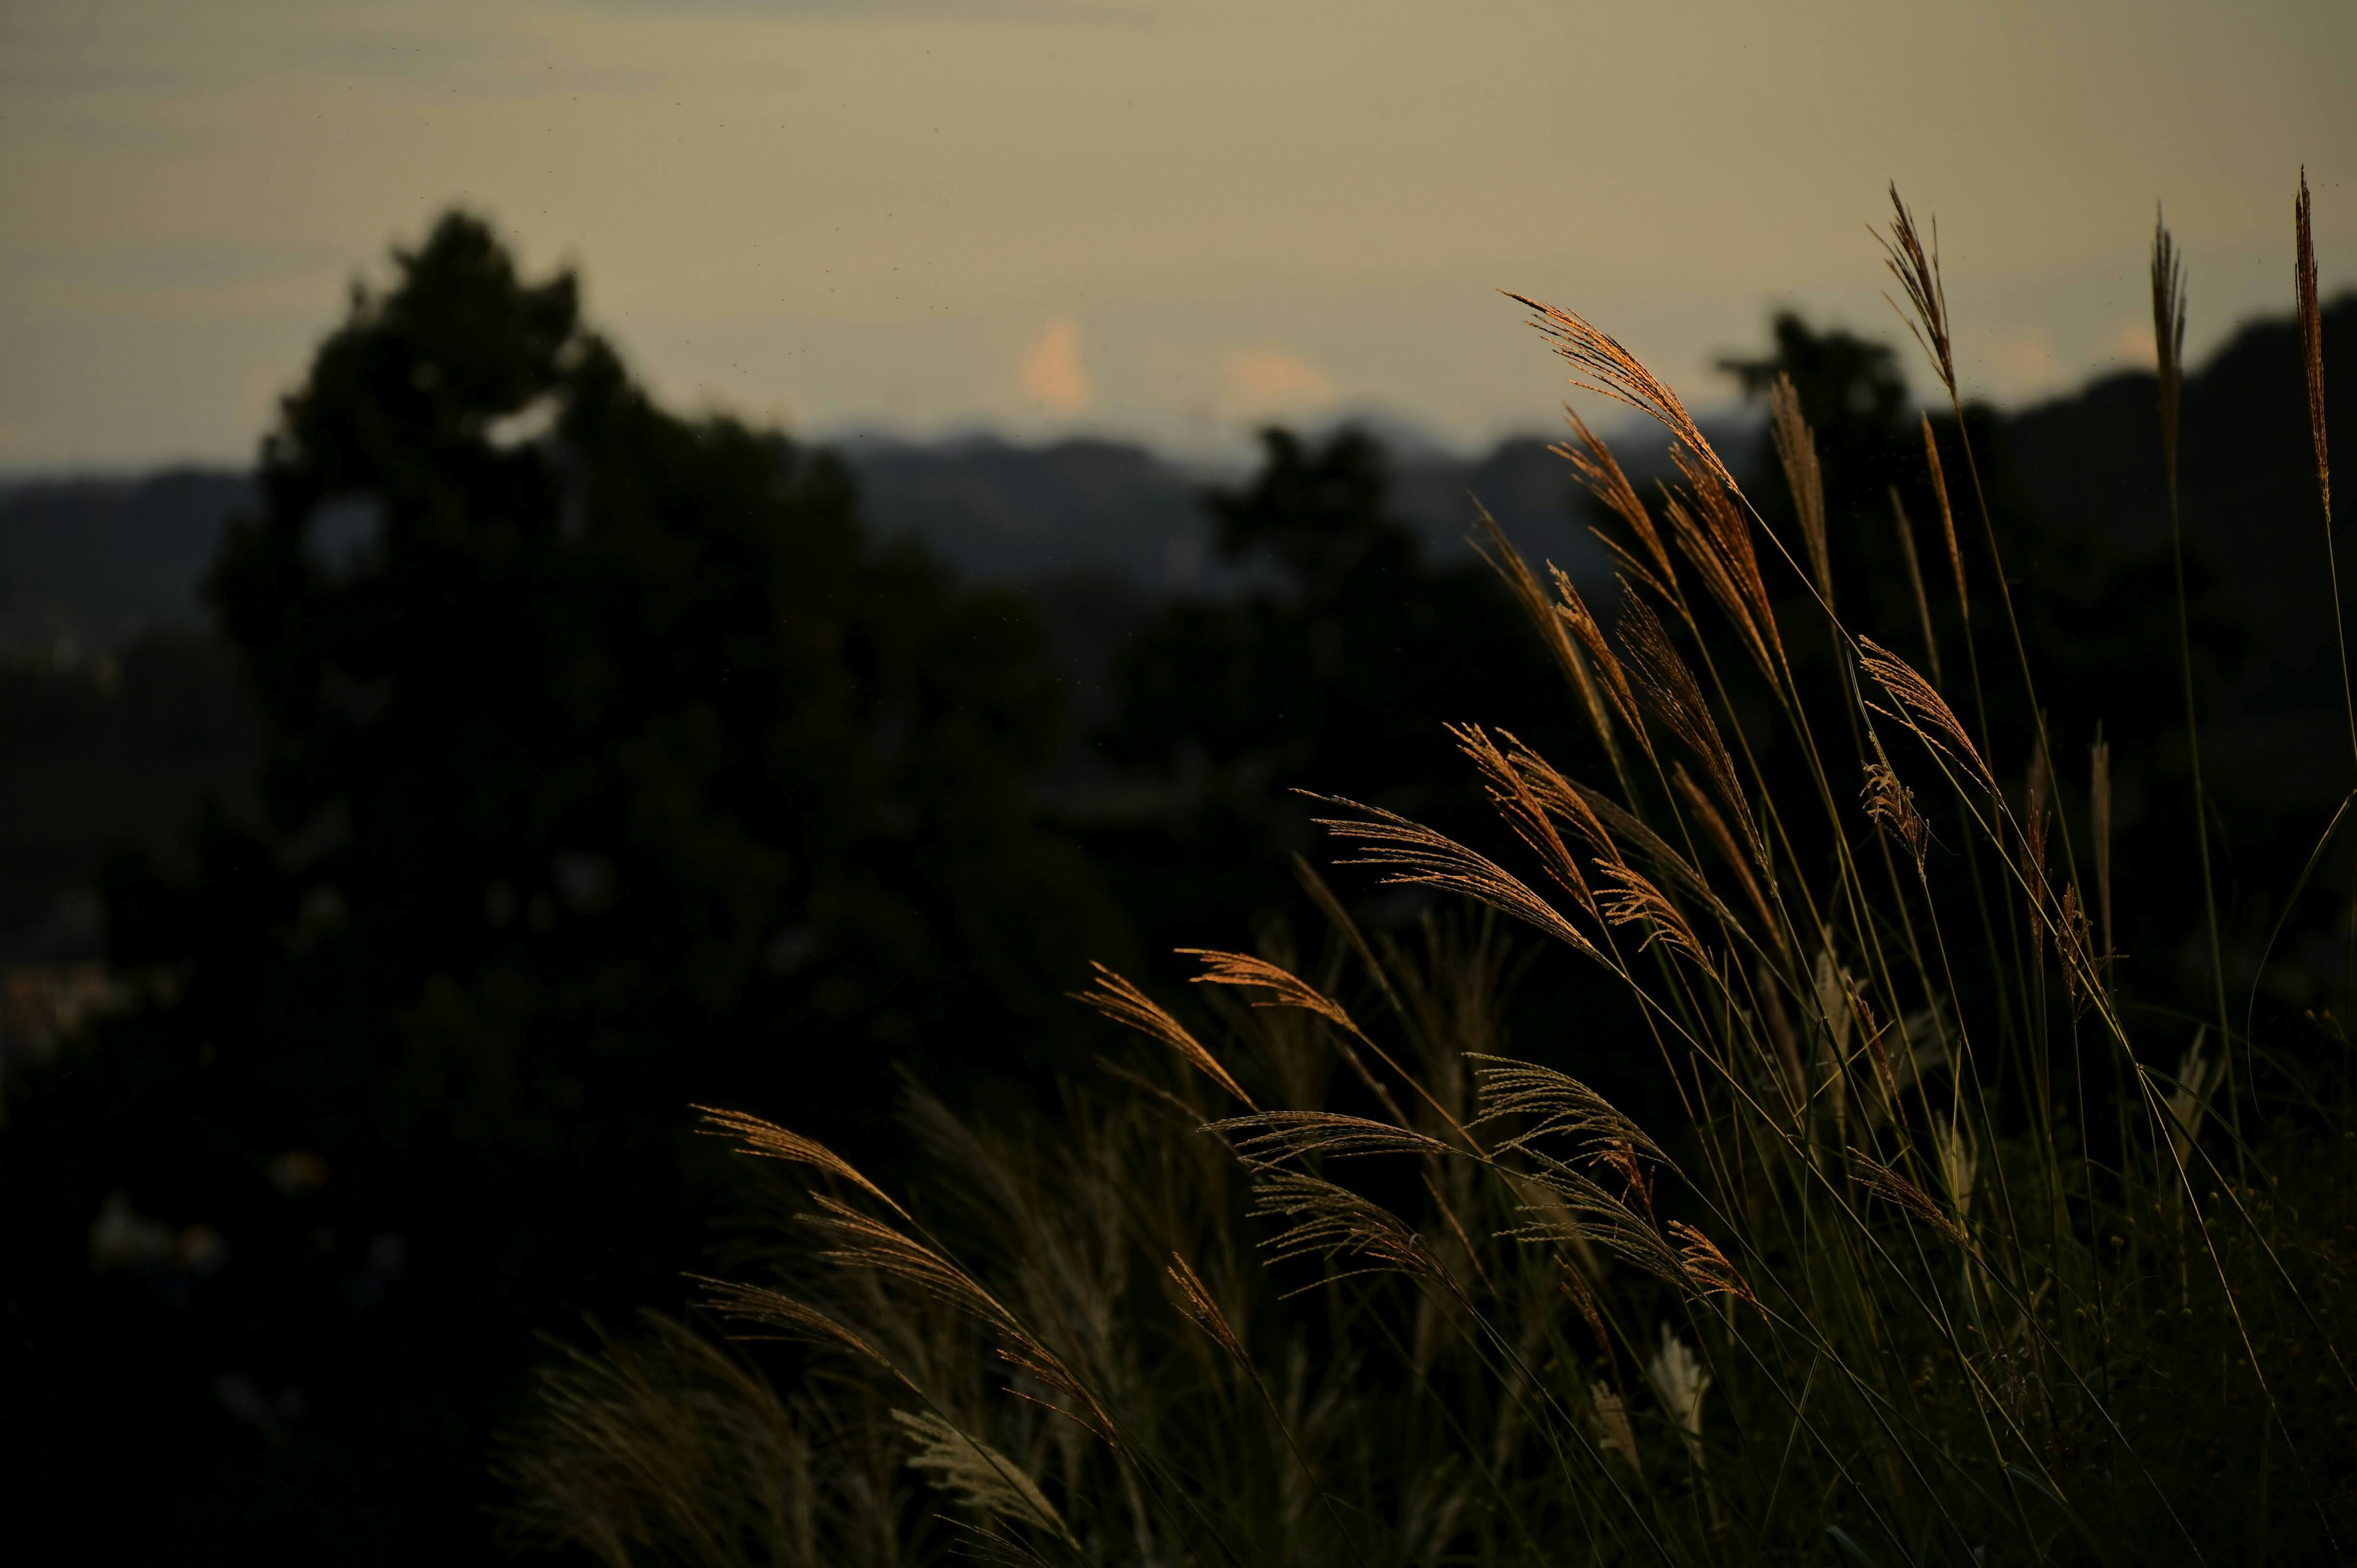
(1335, 673)
(606, 766)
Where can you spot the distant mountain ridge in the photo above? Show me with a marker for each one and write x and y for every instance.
(2246, 484)
(87, 562)
(1098, 533)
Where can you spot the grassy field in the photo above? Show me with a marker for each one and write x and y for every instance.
(1962, 1246)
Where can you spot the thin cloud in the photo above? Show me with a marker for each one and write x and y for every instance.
(1257, 383)
(2132, 342)
(2027, 360)
(1050, 371)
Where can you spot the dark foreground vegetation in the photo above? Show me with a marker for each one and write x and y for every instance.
(1707, 1162)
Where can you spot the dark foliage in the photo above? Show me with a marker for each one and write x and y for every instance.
(606, 767)
(112, 747)
(1334, 674)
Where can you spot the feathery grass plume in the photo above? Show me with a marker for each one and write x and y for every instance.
(1574, 804)
(1268, 1137)
(1637, 900)
(1610, 370)
(1906, 531)
(2168, 338)
(1579, 1211)
(1923, 1042)
(1916, 700)
(1695, 542)
(1894, 1189)
(1722, 838)
(1608, 1417)
(1124, 1002)
(1549, 1217)
(1842, 1008)
(1573, 610)
(2311, 347)
(1333, 1223)
(1871, 1035)
(1414, 856)
(1290, 989)
(2168, 347)
(1831, 987)
(1796, 449)
(1338, 917)
(1670, 687)
(1679, 1380)
(2074, 947)
(772, 1141)
(862, 1242)
(798, 1319)
(1770, 992)
(667, 1446)
(1917, 268)
(1960, 1163)
(2035, 823)
(1834, 991)
(1597, 468)
(2311, 339)
(1713, 534)
(1947, 517)
(1196, 1300)
(1574, 1286)
(1553, 1105)
(1652, 849)
(1515, 801)
(2099, 794)
(1708, 1270)
(979, 1477)
(1498, 551)
(2197, 1077)
(1621, 1157)
(1563, 1205)
(1892, 804)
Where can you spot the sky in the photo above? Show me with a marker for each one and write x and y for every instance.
(1169, 220)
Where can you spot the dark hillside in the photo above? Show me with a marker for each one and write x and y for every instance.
(2093, 460)
(85, 563)
(2091, 463)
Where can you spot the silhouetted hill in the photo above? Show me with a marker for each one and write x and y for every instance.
(86, 564)
(2252, 520)
(1001, 511)
(1013, 513)
(92, 560)
(2247, 478)
(95, 559)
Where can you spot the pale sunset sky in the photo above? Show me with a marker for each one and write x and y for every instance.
(1162, 219)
